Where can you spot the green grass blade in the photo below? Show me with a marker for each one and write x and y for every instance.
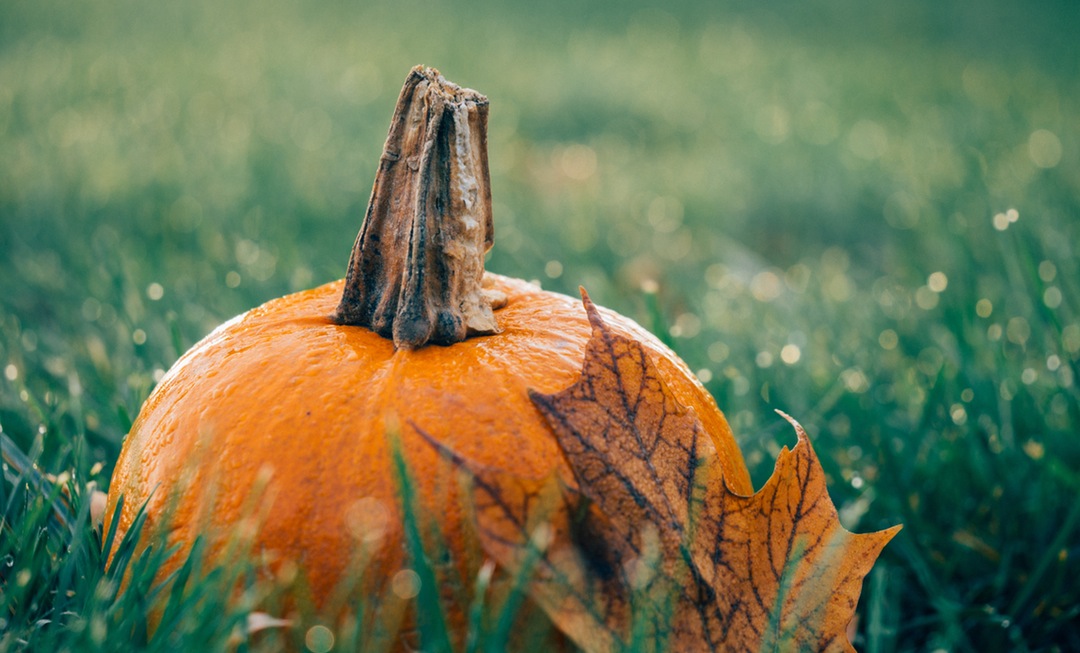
(434, 633)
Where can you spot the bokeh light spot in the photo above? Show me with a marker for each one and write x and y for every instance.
(1070, 338)
(926, 298)
(319, 639)
(888, 339)
(367, 519)
(1047, 271)
(855, 380)
(868, 140)
(406, 584)
(1052, 297)
(1044, 148)
(766, 286)
(1018, 330)
(577, 161)
(790, 354)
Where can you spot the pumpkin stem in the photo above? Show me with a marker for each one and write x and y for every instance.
(417, 267)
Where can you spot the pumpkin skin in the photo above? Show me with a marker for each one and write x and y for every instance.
(282, 398)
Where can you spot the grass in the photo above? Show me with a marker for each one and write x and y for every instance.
(866, 217)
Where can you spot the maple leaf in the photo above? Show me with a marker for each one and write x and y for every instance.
(646, 548)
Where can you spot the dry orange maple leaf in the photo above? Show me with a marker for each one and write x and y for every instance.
(646, 548)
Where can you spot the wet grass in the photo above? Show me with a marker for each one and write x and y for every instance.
(866, 218)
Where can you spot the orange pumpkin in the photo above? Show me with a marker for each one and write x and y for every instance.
(295, 397)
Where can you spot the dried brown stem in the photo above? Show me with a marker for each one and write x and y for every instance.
(417, 266)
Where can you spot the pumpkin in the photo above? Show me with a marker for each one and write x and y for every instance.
(283, 412)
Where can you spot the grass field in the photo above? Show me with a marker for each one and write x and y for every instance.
(867, 217)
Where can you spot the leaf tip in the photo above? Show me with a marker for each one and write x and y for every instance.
(891, 532)
(591, 310)
(871, 544)
(540, 400)
(799, 430)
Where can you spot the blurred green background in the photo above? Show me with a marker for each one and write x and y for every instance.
(863, 214)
